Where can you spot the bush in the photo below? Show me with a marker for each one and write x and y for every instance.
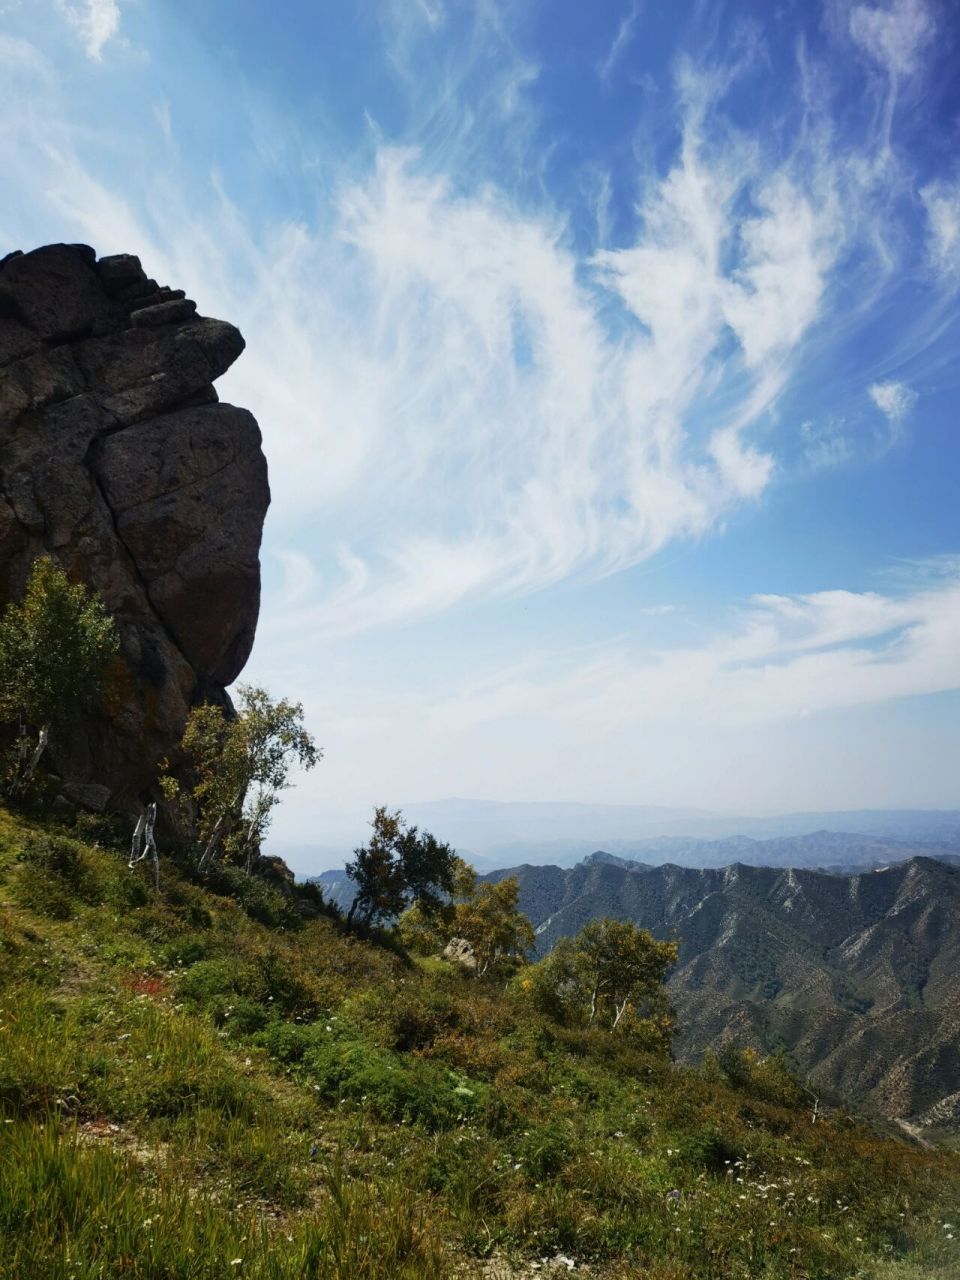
(188, 950)
(250, 991)
(406, 1019)
(55, 876)
(395, 1089)
(710, 1150)
(259, 900)
(544, 1151)
(767, 1079)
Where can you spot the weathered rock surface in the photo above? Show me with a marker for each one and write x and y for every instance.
(116, 458)
(459, 951)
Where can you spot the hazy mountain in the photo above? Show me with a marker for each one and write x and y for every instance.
(491, 834)
(855, 975)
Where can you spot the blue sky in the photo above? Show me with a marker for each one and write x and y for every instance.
(605, 357)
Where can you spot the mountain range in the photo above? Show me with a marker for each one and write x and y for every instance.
(853, 975)
(492, 834)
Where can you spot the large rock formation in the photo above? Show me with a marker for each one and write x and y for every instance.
(117, 459)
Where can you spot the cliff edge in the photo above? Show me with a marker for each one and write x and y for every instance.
(117, 459)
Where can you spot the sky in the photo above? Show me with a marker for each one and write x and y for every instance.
(605, 358)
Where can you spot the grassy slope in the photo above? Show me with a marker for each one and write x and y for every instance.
(188, 1092)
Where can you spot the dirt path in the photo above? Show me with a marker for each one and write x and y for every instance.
(916, 1134)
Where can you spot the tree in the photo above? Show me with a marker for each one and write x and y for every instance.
(427, 932)
(499, 934)
(610, 975)
(54, 647)
(242, 763)
(397, 866)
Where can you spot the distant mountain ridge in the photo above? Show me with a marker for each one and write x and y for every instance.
(502, 834)
(854, 975)
(835, 851)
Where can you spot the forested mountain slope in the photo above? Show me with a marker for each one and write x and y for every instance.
(856, 976)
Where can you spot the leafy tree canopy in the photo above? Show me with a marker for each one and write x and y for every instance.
(242, 763)
(500, 935)
(610, 975)
(399, 865)
(54, 646)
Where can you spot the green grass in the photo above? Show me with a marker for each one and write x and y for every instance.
(199, 1078)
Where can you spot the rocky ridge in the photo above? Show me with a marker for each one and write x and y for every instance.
(117, 458)
(854, 975)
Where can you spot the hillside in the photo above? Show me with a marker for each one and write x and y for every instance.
(853, 975)
(217, 1080)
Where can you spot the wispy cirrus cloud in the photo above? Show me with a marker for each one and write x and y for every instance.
(941, 201)
(626, 29)
(95, 21)
(894, 35)
(894, 400)
(779, 657)
(459, 400)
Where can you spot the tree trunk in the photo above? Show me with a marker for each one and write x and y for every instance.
(30, 767)
(212, 843)
(593, 1004)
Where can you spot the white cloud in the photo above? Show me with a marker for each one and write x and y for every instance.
(826, 444)
(621, 41)
(96, 21)
(941, 201)
(780, 658)
(895, 35)
(893, 399)
(752, 711)
(19, 56)
(454, 394)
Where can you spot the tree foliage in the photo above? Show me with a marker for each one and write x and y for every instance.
(54, 646)
(242, 762)
(483, 914)
(500, 935)
(610, 975)
(400, 865)
(428, 931)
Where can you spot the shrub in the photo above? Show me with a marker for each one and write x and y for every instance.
(55, 876)
(544, 1151)
(768, 1079)
(259, 900)
(405, 1090)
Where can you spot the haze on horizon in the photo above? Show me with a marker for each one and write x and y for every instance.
(605, 358)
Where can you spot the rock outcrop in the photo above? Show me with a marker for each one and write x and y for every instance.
(117, 459)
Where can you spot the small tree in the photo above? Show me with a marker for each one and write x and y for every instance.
(54, 647)
(397, 866)
(427, 932)
(500, 935)
(610, 975)
(242, 763)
